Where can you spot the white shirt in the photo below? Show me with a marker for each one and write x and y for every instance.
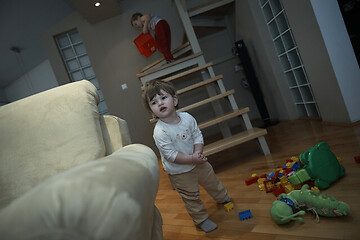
(181, 137)
(153, 21)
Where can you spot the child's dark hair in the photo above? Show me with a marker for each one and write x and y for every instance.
(153, 88)
(135, 17)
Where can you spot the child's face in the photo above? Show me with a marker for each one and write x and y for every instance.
(163, 105)
(137, 23)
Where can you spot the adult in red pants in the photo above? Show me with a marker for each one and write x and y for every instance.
(162, 32)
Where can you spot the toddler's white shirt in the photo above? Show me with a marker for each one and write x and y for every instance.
(181, 137)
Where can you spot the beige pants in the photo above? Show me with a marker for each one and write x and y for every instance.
(187, 185)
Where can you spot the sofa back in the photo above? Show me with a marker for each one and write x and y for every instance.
(45, 134)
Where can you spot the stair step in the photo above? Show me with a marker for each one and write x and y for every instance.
(205, 101)
(170, 68)
(169, 65)
(224, 118)
(196, 85)
(233, 140)
(188, 72)
(199, 84)
(176, 52)
(207, 7)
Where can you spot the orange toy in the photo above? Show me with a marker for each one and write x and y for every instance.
(145, 43)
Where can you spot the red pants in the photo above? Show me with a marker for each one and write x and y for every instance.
(163, 39)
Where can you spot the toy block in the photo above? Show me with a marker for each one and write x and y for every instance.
(287, 171)
(261, 187)
(289, 160)
(288, 188)
(294, 159)
(251, 180)
(254, 175)
(261, 180)
(299, 177)
(289, 165)
(263, 176)
(229, 206)
(296, 166)
(357, 159)
(277, 190)
(268, 185)
(271, 175)
(245, 215)
(276, 179)
(283, 180)
(291, 173)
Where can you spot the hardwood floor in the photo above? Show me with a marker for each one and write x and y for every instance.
(233, 166)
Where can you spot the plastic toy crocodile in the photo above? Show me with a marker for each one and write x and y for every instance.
(282, 210)
(319, 165)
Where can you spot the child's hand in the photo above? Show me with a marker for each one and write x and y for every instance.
(199, 158)
(145, 29)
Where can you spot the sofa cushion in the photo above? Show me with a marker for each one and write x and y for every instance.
(112, 198)
(45, 134)
(115, 132)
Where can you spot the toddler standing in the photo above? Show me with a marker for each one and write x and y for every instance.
(181, 143)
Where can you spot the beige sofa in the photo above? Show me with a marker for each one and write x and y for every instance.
(68, 173)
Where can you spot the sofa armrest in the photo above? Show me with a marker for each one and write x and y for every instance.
(115, 133)
(108, 199)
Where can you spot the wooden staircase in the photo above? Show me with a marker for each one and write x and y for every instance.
(190, 61)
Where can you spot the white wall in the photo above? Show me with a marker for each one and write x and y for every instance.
(38, 79)
(251, 27)
(341, 53)
(116, 60)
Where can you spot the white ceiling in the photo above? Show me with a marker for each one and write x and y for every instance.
(22, 22)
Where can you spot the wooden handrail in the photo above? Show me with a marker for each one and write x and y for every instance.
(139, 75)
(162, 59)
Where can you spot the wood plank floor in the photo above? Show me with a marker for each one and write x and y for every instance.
(233, 166)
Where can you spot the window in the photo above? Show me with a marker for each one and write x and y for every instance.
(78, 63)
(289, 57)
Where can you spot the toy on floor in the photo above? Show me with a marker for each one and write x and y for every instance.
(282, 210)
(320, 165)
(245, 215)
(229, 206)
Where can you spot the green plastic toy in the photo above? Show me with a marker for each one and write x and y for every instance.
(282, 210)
(319, 165)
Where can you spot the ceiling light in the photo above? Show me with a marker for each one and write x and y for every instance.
(97, 4)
